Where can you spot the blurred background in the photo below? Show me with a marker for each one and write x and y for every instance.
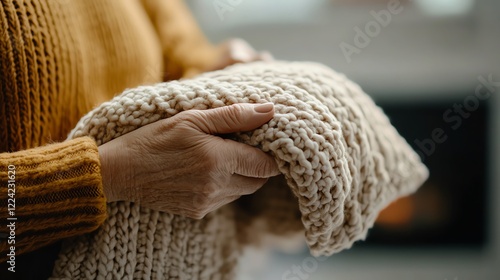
(434, 67)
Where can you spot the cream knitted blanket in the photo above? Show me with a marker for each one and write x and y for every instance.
(340, 156)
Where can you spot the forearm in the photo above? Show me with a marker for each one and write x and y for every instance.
(117, 185)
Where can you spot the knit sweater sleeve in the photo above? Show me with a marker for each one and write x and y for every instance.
(49, 193)
(186, 51)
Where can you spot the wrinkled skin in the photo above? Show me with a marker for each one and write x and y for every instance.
(179, 165)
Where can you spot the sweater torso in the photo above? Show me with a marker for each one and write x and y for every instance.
(61, 58)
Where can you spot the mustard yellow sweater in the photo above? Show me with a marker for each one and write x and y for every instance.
(59, 59)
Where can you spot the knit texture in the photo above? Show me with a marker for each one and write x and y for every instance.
(43, 214)
(58, 60)
(337, 151)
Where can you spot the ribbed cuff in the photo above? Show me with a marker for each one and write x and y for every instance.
(58, 193)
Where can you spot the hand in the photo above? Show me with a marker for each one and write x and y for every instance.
(179, 165)
(238, 51)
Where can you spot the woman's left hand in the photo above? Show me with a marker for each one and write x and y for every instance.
(238, 51)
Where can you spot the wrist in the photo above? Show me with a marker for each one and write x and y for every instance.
(109, 172)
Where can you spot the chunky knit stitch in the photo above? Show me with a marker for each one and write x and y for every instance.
(338, 152)
(58, 60)
(43, 214)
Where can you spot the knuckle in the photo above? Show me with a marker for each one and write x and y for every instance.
(266, 165)
(200, 202)
(238, 108)
(196, 119)
(237, 112)
(190, 116)
(232, 115)
(210, 162)
(164, 125)
(186, 115)
(179, 123)
(209, 190)
(204, 198)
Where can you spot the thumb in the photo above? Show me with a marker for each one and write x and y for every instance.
(234, 118)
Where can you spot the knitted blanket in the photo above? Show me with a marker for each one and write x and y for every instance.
(341, 160)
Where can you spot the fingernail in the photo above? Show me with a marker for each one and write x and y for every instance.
(264, 108)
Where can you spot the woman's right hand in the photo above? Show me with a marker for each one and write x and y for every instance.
(179, 165)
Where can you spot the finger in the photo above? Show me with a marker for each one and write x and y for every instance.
(242, 185)
(265, 56)
(223, 202)
(246, 160)
(229, 119)
(241, 51)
